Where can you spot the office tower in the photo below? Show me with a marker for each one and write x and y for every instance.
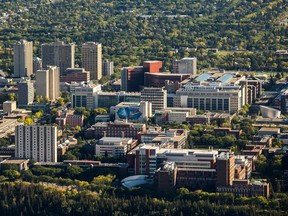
(36, 142)
(23, 58)
(84, 95)
(185, 66)
(156, 96)
(107, 67)
(58, 54)
(25, 92)
(91, 57)
(225, 169)
(132, 78)
(47, 83)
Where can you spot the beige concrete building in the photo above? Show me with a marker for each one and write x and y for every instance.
(9, 106)
(23, 58)
(91, 57)
(47, 83)
(185, 66)
(59, 54)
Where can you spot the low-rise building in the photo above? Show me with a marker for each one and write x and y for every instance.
(170, 115)
(22, 164)
(132, 111)
(116, 129)
(247, 188)
(9, 106)
(269, 131)
(114, 146)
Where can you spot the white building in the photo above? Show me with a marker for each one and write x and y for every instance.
(36, 142)
(269, 112)
(114, 146)
(213, 92)
(173, 114)
(84, 95)
(147, 157)
(132, 111)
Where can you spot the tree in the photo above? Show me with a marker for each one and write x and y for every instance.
(60, 101)
(28, 121)
(99, 111)
(73, 171)
(11, 174)
(261, 164)
(12, 96)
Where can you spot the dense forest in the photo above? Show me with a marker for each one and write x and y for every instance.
(247, 33)
(23, 198)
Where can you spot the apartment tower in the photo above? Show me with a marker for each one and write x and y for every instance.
(58, 54)
(36, 142)
(91, 57)
(23, 58)
(47, 82)
(25, 92)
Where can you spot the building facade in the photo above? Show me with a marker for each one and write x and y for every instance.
(36, 142)
(59, 54)
(108, 99)
(23, 59)
(116, 129)
(185, 66)
(83, 95)
(225, 168)
(156, 96)
(47, 82)
(107, 67)
(91, 57)
(114, 146)
(75, 75)
(25, 92)
(130, 111)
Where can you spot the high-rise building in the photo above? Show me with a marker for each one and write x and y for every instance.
(156, 96)
(58, 54)
(36, 142)
(107, 67)
(185, 66)
(132, 78)
(47, 82)
(91, 57)
(25, 92)
(23, 58)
